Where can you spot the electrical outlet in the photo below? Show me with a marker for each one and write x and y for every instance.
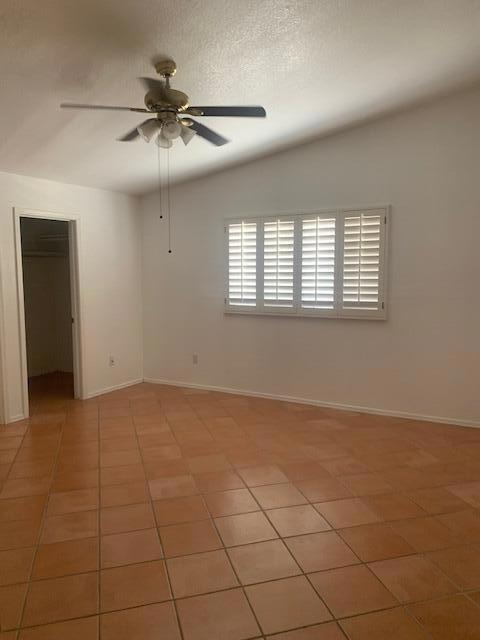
(111, 361)
(195, 358)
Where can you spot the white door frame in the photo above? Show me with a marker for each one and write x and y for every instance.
(75, 288)
(3, 369)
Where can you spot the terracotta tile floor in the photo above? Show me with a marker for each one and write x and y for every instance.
(160, 513)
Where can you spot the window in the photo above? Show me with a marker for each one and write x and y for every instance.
(321, 264)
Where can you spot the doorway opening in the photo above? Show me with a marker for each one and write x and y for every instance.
(47, 283)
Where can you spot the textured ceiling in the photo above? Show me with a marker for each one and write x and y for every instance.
(315, 65)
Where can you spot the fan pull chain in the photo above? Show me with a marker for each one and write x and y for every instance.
(160, 203)
(168, 204)
(164, 195)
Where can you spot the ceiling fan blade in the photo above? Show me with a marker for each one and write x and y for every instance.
(153, 84)
(240, 112)
(71, 105)
(208, 134)
(128, 137)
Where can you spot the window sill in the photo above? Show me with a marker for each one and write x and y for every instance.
(376, 315)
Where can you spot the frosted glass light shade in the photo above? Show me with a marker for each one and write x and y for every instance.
(187, 134)
(149, 129)
(171, 129)
(163, 142)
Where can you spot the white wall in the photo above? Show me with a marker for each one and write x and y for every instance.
(46, 284)
(110, 279)
(424, 360)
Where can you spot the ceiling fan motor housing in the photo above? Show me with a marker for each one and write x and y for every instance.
(166, 99)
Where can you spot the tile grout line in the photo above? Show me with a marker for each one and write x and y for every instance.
(239, 513)
(262, 510)
(460, 543)
(345, 541)
(325, 622)
(398, 605)
(160, 542)
(12, 462)
(99, 529)
(212, 522)
(41, 529)
(463, 592)
(404, 607)
(4, 480)
(284, 545)
(227, 555)
(224, 548)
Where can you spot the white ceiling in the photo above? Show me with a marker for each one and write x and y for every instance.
(315, 65)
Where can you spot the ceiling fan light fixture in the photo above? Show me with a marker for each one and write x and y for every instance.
(166, 107)
(149, 129)
(187, 134)
(165, 143)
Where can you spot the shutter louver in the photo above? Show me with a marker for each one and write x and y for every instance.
(278, 241)
(318, 262)
(242, 264)
(361, 260)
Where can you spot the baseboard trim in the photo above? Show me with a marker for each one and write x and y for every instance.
(116, 387)
(92, 394)
(318, 403)
(17, 418)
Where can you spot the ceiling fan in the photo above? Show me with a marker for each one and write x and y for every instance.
(171, 112)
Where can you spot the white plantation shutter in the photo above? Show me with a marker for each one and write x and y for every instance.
(318, 262)
(278, 245)
(363, 233)
(321, 264)
(242, 264)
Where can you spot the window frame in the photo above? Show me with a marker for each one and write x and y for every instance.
(296, 310)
